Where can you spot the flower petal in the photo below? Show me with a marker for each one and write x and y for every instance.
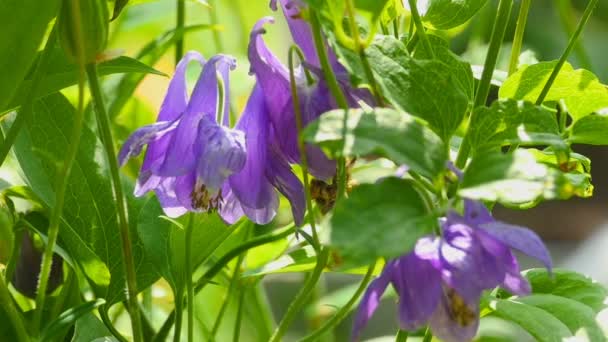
(143, 136)
(371, 300)
(455, 320)
(475, 212)
(521, 239)
(180, 156)
(165, 192)
(232, 210)
(221, 152)
(418, 284)
(250, 185)
(300, 29)
(279, 173)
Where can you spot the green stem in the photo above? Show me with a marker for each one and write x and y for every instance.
(213, 18)
(428, 335)
(103, 314)
(401, 336)
(221, 263)
(179, 315)
(229, 293)
(565, 11)
(343, 312)
(420, 28)
(189, 271)
(396, 22)
(239, 316)
(296, 305)
(28, 107)
(571, 44)
(302, 148)
(61, 181)
(107, 140)
(260, 301)
(7, 304)
(518, 38)
(498, 34)
(14, 258)
(334, 88)
(179, 26)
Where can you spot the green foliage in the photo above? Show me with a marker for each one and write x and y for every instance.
(89, 231)
(447, 14)
(378, 220)
(69, 318)
(590, 130)
(381, 132)
(518, 179)
(83, 22)
(19, 45)
(580, 89)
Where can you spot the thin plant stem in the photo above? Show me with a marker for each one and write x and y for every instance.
(63, 175)
(105, 318)
(341, 314)
(498, 33)
(571, 44)
(179, 315)
(213, 18)
(221, 263)
(189, 271)
(296, 305)
(428, 335)
(301, 146)
(401, 336)
(12, 262)
(396, 23)
(103, 123)
(230, 292)
(27, 108)
(420, 28)
(565, 11)
(334, 88)
(260, 301)
(369, 74)
(518, 38)
(239, 316)
(9, 308)
(179, 26)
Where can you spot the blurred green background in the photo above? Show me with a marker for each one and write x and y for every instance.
(568, 227)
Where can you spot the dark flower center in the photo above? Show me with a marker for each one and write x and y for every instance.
(203, 200)
(459, 311)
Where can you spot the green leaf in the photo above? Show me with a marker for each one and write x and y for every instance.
(568, 284)
(299, 260)
(435, 90)
(383, 132)
(510, 122)
(165, 242)
(378, 220)
(89, 230)
(447, 14)
(118, 7)
(517, 179)
(90, 328)
(578, 317)
(22, 29)
(590, 130)
(373, 8)
(575, 163)
(543, 326)
(61, 73)
(69, 318)
(580, 89)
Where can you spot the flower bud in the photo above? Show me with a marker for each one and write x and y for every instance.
(83, 21)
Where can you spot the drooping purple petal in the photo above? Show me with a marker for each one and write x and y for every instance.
(455, 319)
(418, 284)
(165, 192)
(514, 281)
(300, 29)
(476, 213)
(250, 185)
(180, 155)
(232, 210)
(221, 152)
(172, 108)
(466, 264)
(521, 239)
(143, 136)
(184, 187)
(371, 300)
(279, 173)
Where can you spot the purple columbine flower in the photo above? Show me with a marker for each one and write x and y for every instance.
(440, 282)
(190, 154)
(315, 99)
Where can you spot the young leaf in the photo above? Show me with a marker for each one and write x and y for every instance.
(447, 14)
(590, 130)
(543, 326)
(69, 318)
(513, 122)
(383, 132)
(568, 284)
(90, 328)
(517, 179)
(378, 220)
(580, 89)
(22, 29)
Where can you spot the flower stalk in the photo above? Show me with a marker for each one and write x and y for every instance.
(107, 140)
(518, 38)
